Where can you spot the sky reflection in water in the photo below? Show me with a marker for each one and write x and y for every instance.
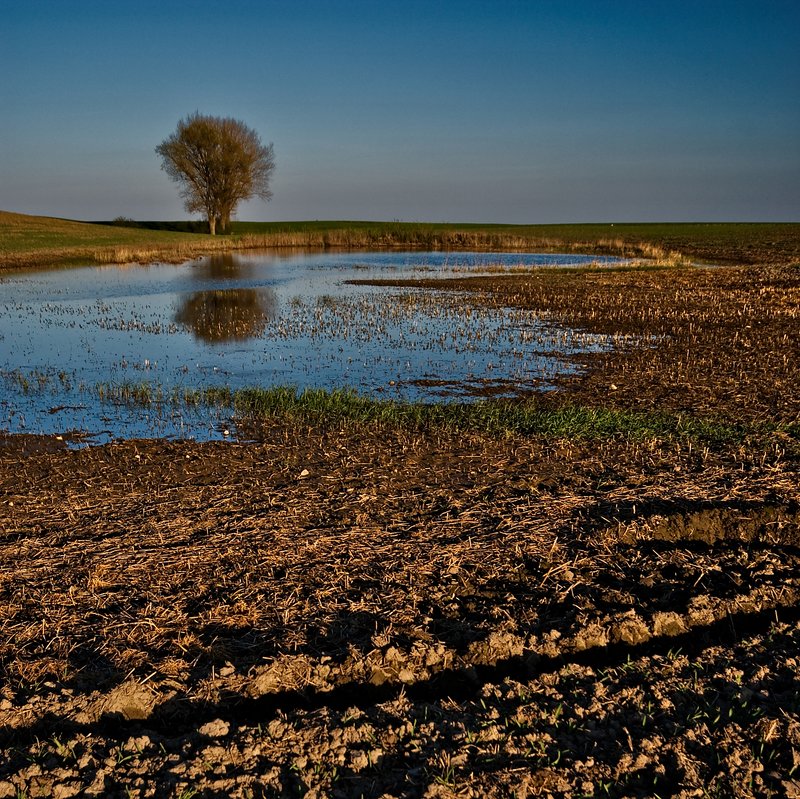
(259, 320)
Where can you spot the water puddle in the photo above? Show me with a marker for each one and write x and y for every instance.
(69, 338)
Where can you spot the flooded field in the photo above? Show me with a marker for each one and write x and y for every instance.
(73, 342)
(377, 608)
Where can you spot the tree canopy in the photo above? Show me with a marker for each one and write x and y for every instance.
(217, 162)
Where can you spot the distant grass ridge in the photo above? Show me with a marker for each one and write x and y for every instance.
(30, 241)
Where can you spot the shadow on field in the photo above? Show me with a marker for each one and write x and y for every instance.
(457, 704)
(646, 575)
(178, 715)
(772, 520)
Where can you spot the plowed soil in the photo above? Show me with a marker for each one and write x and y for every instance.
(346, 611)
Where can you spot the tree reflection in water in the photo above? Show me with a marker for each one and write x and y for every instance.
(233, 314)
(228, 314)
(224, 266)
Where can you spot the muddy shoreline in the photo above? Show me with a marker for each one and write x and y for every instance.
(344, 610)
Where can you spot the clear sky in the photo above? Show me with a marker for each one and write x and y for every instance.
(456, 110)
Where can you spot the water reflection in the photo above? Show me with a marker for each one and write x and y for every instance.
(227, 315)
(224, 266)
(265, 319)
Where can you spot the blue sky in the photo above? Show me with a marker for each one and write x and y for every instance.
(430, 111)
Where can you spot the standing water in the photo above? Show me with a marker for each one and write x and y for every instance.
(69, 337)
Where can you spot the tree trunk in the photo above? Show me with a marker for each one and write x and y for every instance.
(212, 225)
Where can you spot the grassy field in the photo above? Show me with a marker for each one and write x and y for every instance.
(27, 241)
(740, 242)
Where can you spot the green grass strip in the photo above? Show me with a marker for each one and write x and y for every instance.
(496, 417)
(527, 417)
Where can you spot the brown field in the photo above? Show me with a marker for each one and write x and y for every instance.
(350, 610)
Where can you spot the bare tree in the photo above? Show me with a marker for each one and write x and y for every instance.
(217, 162)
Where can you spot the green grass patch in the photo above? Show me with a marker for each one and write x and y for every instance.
(495, 417)
(20, 233)
(528, 417)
